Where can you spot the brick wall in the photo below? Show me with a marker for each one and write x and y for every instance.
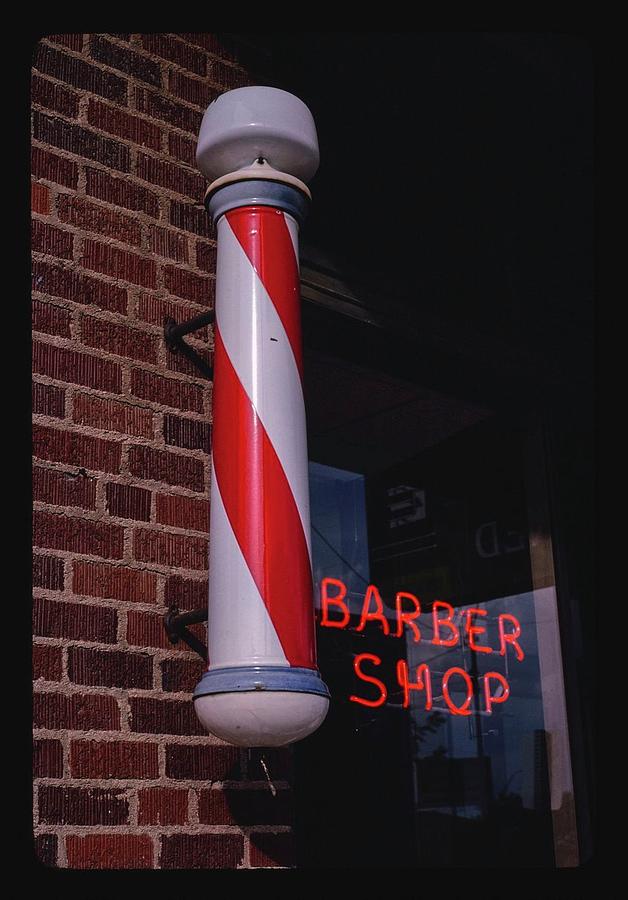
(123, 774)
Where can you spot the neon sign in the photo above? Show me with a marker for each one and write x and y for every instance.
(495, 689)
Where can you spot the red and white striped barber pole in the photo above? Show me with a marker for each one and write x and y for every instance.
(257, 146)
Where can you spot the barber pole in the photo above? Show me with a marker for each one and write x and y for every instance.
(257, 146)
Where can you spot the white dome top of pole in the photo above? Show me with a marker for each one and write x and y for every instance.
(247, 123)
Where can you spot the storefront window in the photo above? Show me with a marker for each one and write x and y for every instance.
(437, 626)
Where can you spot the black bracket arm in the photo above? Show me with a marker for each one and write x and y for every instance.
(175, 623)
(175, 332)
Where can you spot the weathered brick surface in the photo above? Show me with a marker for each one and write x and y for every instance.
(160, 465)
(110, 668)
(64, 488)
(110, 851)
(47, 758)
(202, 851)
(94, 579)
(113, 759)
(120, 243)
(127, 501)
(82, 806)
(48, 572)
(57, 281)
(92, 217)
(109, 415)
(162, 806)
(46, 662)
(48, 400)
(79, 712)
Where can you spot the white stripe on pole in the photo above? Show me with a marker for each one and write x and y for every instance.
(240, 631)
(260, 352)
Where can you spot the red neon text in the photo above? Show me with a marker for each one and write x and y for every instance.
(383, 693)
(377, 615)
(423, 682)
(338, 600)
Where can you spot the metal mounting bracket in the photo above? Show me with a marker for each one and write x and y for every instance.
(175, 332)
(175, 623)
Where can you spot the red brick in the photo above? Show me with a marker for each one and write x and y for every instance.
(163, 806)
(109, 851)
(119, 339)
(186, 593)
(91, 217)
(79, 73)
(176, 51)
(113, 759)
(176, 362)
(206, 256)
(60, 532)
(173, 114)
(156, 311)
(152, 716)
(183, 512)
(122, 669)
(47, 759)
(79, 712)
(128, 502)
(201, 851)
(55, 280)
(82, 806)
(92, 579)
(202, 762)
(145, 629)
(51, 319)
(46, 848)
(273, 850)
(168, 243)
(189, 286)
(76, 449)
(119, 263)
(228, 77)
(53, 168)
(213, 43)
(48, 572)
(53, 241)
(188, 433)
(160, 465)
(72, 41)
(190, 218)
(123, 124)
(240, 807)
(48, 400)
(170, 176)
(46, 662)
(166, 391)
(192, 90)
(126, 60)
(119, 192)
(182, 148)
(76, 621)
(73, 367)
(81, 141)
(64, 488)
(54, 96)
(40, 198)
(112, 416)
(181, 675)
(176, 550)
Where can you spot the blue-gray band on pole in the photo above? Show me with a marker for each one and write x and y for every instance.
(257, 192)
(261, 678)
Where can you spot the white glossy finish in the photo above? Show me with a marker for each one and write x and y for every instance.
(250, 122)
(261, 718)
